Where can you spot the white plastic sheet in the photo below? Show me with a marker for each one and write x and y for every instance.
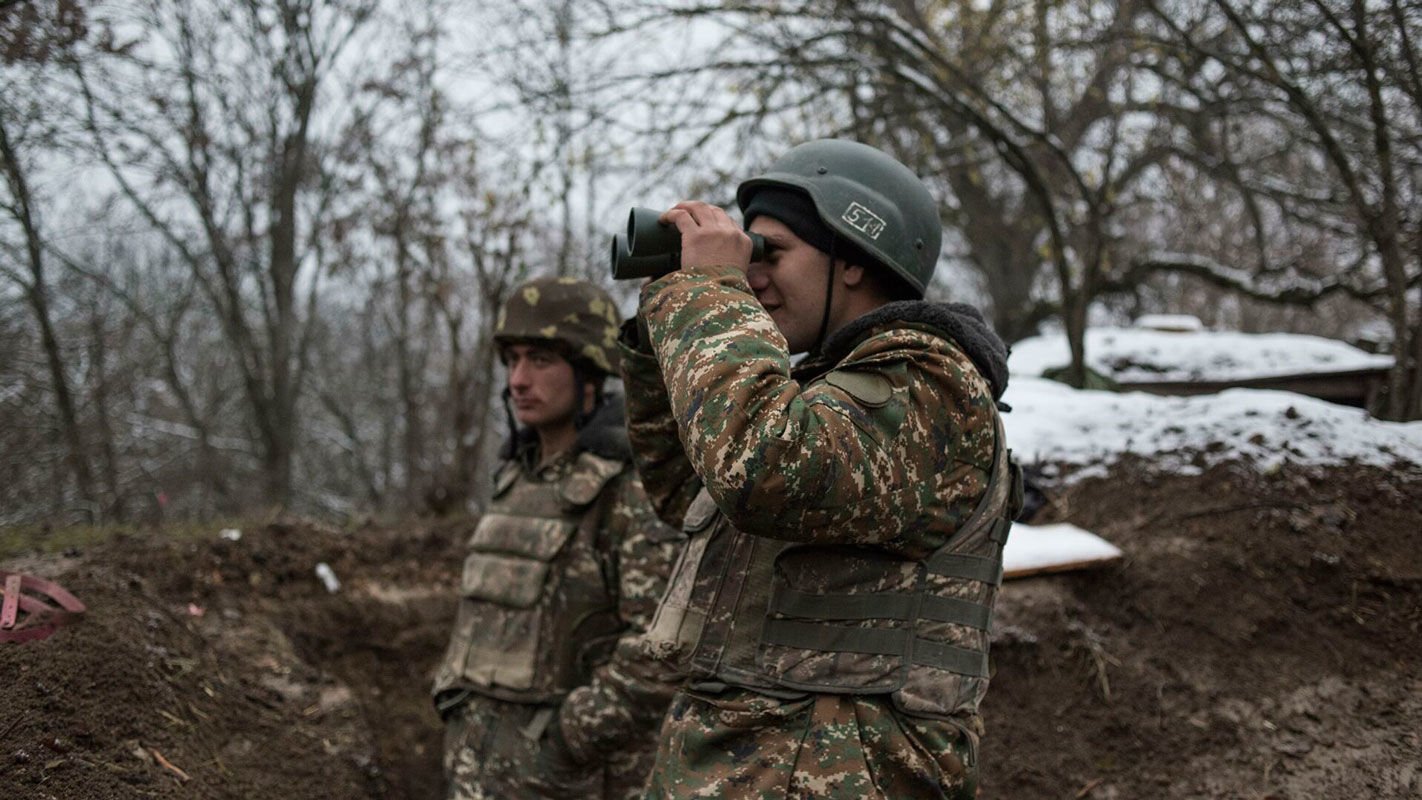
(1035, 549)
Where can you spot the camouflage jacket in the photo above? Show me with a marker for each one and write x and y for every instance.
(623, 695)
(885, 442)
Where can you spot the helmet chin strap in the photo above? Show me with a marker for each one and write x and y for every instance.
(829, 298)
(581, 380)
(506, 395)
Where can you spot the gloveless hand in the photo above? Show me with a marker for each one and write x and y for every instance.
(709, 237)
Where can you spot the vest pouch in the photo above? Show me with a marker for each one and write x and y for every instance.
(534, 588)
(511, 558)
(540, 539)
(681, 615)
(950, 670)
(839, 619)
(512, 581)
(504, 586)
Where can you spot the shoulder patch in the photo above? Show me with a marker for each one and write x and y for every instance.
(869, 388)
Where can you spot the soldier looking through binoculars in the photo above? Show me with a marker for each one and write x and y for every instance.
(846, 515)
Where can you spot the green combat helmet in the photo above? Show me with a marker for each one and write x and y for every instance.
(866, 197)
(577, 316)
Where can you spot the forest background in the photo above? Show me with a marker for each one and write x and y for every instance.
(250, 250)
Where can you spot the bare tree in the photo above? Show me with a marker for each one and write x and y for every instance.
(436, 230)
(289, 296)
(550, 64)
(157, 297)
(1033, 120)
(1343, 83)
(29, 38)
(492, 237)
(395, 147)
(222, 150)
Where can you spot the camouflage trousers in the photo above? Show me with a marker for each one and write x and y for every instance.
(741, 744)
(491, 753)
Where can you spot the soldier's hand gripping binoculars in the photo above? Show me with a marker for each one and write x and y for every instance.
(650, 249)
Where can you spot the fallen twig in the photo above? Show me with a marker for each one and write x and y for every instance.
(1089, 788)
(168, 765)
(1205, 512)
(13, 725)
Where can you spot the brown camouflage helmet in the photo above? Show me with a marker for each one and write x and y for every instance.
(577, 317)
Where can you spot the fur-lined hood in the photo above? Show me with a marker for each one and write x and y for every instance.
(960, 322)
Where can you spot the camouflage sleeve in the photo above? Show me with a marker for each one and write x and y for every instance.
(621, 708)
(667, 475)
(888, 446)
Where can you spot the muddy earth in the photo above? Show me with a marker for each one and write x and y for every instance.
(1259, 640)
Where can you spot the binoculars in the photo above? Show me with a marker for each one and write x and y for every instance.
(650, 249)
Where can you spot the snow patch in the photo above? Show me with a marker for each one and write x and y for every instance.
(1137, 355)
(1051, 423)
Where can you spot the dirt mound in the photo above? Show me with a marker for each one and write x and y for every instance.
(225, 669)
(1259, 640)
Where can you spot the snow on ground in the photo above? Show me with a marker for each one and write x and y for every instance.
(1052, 423)
(1054, 426)
(1138, 355)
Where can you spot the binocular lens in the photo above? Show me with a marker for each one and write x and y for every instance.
(651, 249)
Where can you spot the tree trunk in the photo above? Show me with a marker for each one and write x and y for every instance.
(1401, 396)
(408, 370)
(1074, 313)
(1001, 246)
(37, 293)
(1414, 408)
(287, 359)
(108, 456)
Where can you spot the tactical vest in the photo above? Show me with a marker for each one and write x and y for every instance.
(776, 616)
(538, 605)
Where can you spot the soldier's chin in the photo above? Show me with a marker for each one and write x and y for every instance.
(794, 344)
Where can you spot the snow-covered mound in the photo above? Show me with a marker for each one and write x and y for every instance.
(1139, 355)
(1052, 423)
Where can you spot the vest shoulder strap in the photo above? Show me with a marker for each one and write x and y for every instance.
(505, 477)
(999, 480)
(590, 475)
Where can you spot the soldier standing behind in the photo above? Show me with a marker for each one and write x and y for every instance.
(846, 516)
(541, 689)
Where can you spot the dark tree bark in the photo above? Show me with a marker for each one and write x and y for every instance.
(36, 290)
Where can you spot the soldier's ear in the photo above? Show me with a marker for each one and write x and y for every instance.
(873, 284)
(853, 275)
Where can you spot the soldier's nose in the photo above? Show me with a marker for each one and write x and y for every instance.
(518, 375)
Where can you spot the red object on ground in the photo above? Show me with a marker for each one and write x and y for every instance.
(33, 608)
